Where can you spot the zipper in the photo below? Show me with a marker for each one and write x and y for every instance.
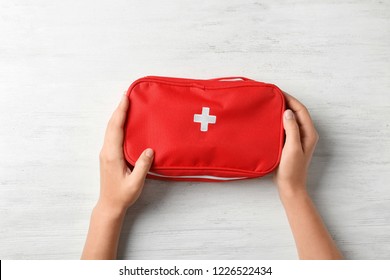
(203, 83)
(197, 177)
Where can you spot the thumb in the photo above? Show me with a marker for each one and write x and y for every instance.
(142, 166)
(292, 129)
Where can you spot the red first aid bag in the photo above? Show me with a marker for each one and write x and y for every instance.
(205, 130)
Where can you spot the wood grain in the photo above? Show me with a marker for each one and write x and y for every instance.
(65, 64)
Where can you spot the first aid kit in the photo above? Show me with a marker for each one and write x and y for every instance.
(205, 130)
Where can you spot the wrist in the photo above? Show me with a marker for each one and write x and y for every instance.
(287, 193)
(105, 210)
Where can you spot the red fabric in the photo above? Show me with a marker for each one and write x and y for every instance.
(245, 141)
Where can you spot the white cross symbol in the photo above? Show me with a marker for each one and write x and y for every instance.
(204, 119)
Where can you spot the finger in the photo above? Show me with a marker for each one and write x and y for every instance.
(299, 109)
(293, 138)
(142, 167)
(118, 118)
(113, 140)
(308, 132)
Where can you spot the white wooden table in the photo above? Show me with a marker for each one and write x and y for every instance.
(65, 64)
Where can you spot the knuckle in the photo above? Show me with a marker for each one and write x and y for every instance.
(101, 155)
(317, 136)
(304, 109)
(314, 135)
(115, 118)
(313, 139)
(112, 121)
(106, 157)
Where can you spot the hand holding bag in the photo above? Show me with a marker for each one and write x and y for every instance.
(205, 130)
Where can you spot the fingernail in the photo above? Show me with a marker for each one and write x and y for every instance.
(124, 96)
(288, 114)
(149, 153)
